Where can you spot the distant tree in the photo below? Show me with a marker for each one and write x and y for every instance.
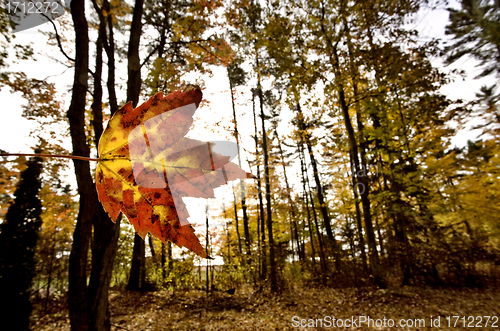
(18, 237)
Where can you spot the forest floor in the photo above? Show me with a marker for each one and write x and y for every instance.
(298, 308)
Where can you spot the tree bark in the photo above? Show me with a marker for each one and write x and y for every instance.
(134, 65)
(134, 81)
(77, 291)
(135, 281)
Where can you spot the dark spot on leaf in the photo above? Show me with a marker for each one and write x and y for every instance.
(154, 218)
(157, 195)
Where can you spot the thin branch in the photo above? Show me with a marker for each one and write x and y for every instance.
(58, 38)
(149, 55)
(55, 75)
(180, 42)
(206, 50)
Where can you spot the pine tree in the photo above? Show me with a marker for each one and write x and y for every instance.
(18, 237)
(476, 32)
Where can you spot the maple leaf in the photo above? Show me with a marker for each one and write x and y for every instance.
(146, 165)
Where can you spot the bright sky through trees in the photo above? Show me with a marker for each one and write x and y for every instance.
(14, 129)
(212, 120)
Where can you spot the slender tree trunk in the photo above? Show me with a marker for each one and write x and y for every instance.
(259, 245)
(237, 223)
(380, 239)
(269, 215)
(152, 248)
(362, 148)
(319, 188)
(361, 180)
(104, 249)
(259, 187)
(134, 65)
(97, 97)
(153, 255)
(51, 268)
(242, 188)
(306, 199)
(105, 241)
(359, 223)
(293, 222)
(170, 265)
(77, 292)
(207, 249)
(136, 280)
(228, 238)
(322, 257)
(163, 260)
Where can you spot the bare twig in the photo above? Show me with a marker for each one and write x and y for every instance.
(58, 38)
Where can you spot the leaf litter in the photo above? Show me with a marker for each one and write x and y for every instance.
(247, 310)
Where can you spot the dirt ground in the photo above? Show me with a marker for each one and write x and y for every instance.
(297, 308)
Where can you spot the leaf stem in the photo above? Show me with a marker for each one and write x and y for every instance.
(53, 155)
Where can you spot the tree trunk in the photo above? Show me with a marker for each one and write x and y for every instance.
(207, 249)
(104, 248)
(269, 215)
(136, 280)
(106, 233)
(134, 65)
(359, 223)
(163, 260)
(306, 199)
(228, 238)
(237, 223)
(152, 248)
(322, 257)
(294, 227)
(261, 203)
(362, 148)
(170, 265)
(362, 181)
(246, 229)
(77, 291)
(319, 188)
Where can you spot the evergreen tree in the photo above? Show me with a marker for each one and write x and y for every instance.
(475, 28)
(18, 237)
